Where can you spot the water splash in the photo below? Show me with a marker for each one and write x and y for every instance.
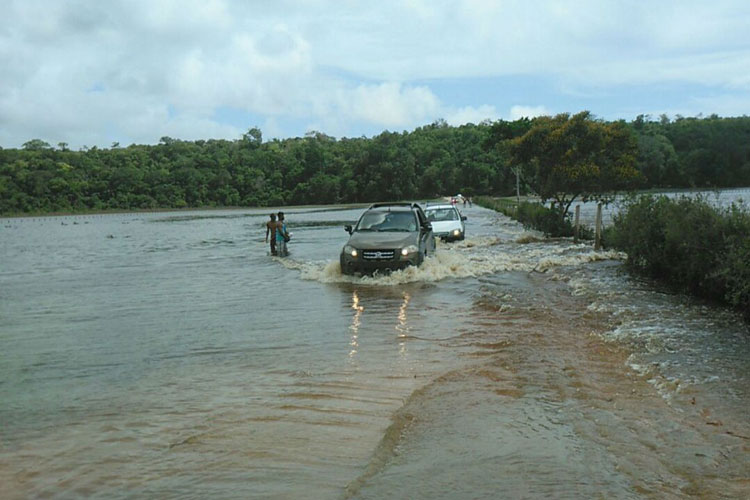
(470, 258)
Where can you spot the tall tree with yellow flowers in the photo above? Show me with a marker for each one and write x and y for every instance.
(567, 158)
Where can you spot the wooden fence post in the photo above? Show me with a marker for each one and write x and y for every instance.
(598, 241)
(577, 233)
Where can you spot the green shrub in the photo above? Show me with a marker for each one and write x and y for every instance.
(532, 215)
(735, 268)
(502, 205)
(547, 220)
(688, 243)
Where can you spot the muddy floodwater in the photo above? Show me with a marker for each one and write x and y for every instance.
(170, 356)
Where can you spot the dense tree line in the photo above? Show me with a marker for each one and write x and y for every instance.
(318, 169)
(694, 152)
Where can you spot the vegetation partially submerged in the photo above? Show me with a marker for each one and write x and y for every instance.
(534, 215)
(689, 243)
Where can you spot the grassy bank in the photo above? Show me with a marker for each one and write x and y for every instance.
(534, 215)
(688, 243)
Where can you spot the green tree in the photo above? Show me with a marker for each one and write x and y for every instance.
(253, 137)
(574, 157)
(36, 145)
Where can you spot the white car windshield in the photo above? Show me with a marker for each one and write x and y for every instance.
(441, 214)
(387, 221)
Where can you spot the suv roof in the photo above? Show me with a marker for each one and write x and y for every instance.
(439, 205)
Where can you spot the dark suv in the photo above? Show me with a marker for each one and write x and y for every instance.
(388, 236)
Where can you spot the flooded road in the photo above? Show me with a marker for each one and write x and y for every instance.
(168, 355)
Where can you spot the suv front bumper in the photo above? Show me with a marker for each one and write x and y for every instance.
(450, 236)
(352, 265)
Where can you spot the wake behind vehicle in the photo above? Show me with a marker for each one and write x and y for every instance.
(447, 222)
(387, 237)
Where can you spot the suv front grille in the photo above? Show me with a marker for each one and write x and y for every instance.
(378, 254)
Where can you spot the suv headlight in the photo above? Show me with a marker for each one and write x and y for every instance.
(410, 249)
(456, 232)
(350, 250)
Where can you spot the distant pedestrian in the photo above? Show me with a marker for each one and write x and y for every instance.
(282, 236)
(271, 230)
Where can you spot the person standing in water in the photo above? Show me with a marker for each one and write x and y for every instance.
(282, 236)
(271, 229)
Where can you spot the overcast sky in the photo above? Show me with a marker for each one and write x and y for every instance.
(91, 72)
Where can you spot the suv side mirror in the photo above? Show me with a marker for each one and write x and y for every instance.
(463, 217)
(427, 226)
(348, 228)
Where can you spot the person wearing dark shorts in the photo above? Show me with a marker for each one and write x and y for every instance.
(271, 229)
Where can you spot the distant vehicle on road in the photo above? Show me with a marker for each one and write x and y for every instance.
(387, 237)
(447, 222)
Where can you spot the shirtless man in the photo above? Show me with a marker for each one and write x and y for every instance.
(271, 229)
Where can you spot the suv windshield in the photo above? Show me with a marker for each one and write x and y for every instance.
(441, 214)
(387, 221)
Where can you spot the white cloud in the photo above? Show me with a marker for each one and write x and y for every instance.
(471, 114)
(264, 73)
(518, 112)
(389, 104)
(84, 71)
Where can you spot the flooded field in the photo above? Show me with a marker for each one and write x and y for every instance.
(168, 355)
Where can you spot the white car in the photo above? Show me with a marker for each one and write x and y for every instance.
(447, 222)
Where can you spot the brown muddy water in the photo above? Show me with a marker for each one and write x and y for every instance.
(169, 356)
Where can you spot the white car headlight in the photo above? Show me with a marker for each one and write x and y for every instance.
(350, 250)
(456, 232)
(410, 249)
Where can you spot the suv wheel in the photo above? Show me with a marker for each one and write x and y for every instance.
(344, 270)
